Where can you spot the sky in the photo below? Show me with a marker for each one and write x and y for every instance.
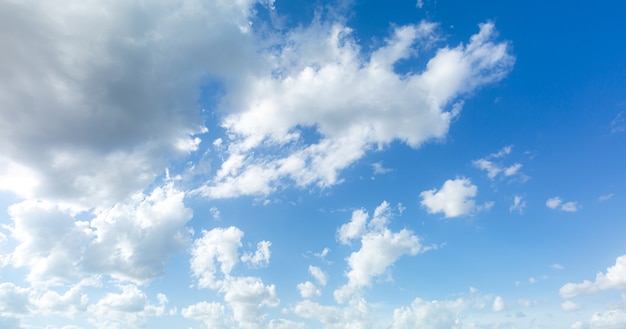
(433, 164)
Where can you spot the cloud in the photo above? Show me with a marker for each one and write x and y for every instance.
(429, 314)
(618, 124)
(569, 306)
(213, 315)
(605, 197)
(454, 199)
(318, 274)
(615, 278)
(518, 204)
(213, 258)
(308, 290)
(557, 203)
(556, 267)
(130, 307)
(379, 169)
(380, 248)
(14, 300)
(499, 304)
(81, 105)
(323, 82)
(495, 168)
(608, 319)
(130, 241)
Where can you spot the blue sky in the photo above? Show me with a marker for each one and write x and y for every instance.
(296, 164)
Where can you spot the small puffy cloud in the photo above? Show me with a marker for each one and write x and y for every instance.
(355, 228)
(614, 278)
(69, 304)
(380, 248)
(354, 315)
(261, 257)
(569, 306)
(454, 199)
(318, 274)
(308, 290)
(518, 204)
(557, 203)
(379, 169)
(247, 296)
(499, 304)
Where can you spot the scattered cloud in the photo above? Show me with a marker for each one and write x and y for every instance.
(614, 278)
(308, 290)
(605, 197)
(320, 276)
(494, 168)
(557, 203)
(557, 267)
(518, 204)
(454, 199)
(618, 124)
(379, 169)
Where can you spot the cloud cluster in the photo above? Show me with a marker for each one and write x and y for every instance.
(557, 203)
(380, 248)
(614, 278)
(494, 168)
(321, 82)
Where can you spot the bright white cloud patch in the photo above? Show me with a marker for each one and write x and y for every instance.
(319, 275)
(494, 167)
(614, 278)
(128, 308)
(454, 199)
(380, 248)
(322, 81)
(308, 290)
(499, 304)
(130, 241)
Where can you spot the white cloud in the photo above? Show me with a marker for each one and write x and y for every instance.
(430, 314)
(69, 304)
(308, 290)
(354, 315)
(569, 306)
(554, 203)
(518, 204)
(570, 206)
(379, 169)
(261, 256)
(611, 319)
(499, 304)
(14, 300)
(380, 248)
(318, 274)
(454, 199)
(247, 296)
(350, 112)
(495, 168)
(556, 266)
(219, 245)
(355, 228)
(557, 203)
(128, 308)
(615, 278)
(213, 315)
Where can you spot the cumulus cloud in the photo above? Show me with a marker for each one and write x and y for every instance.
(430, 314)
(322, 81)
(213, 315)
(213, 257)
(130, 241)
(380, 248)
(261, 256)
(130, 308)
(308, 290)
(318, 274)
(454, 199)
(614, 278)
(569, 306)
